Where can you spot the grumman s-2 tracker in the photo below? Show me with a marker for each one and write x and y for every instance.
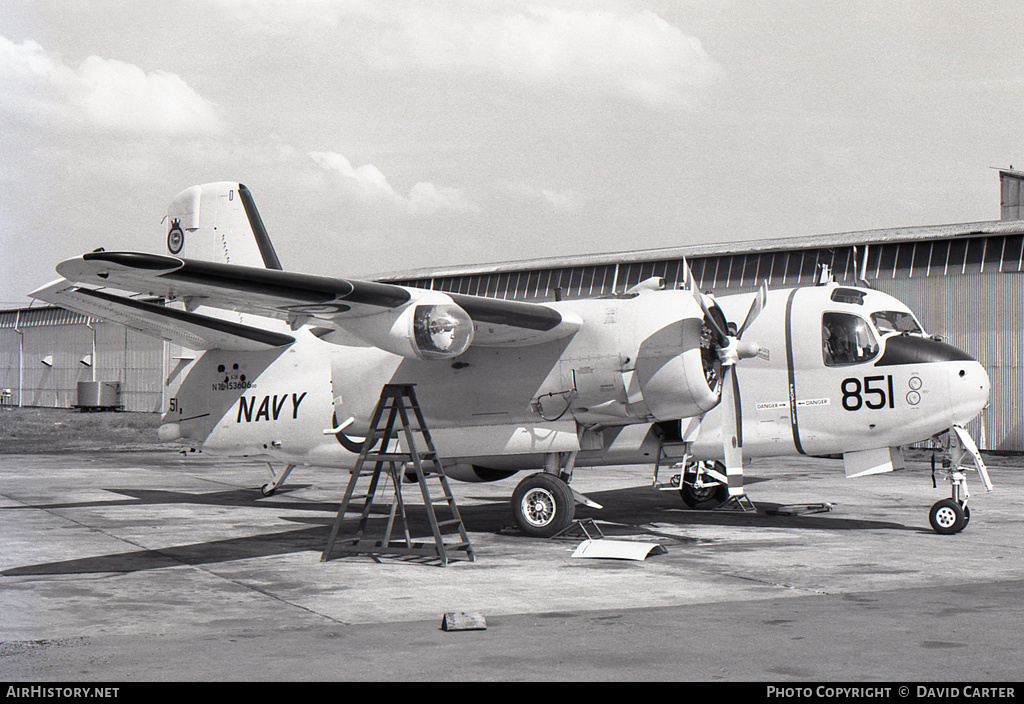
(292, 366)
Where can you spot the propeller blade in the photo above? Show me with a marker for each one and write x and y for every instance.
(723, 335)
(756, 306)
(732, 431)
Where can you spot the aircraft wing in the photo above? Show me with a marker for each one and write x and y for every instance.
(190, 330)
(344, 304)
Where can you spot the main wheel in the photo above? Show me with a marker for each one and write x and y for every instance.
(947, 517)
(706, 497)
(543, 505)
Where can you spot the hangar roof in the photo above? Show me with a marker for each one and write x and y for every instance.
(16, 318)
(861, 237)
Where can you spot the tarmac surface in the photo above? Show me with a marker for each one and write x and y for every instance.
(153, 566)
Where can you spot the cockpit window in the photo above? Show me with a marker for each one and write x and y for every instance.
(894, 321)
(846, 339)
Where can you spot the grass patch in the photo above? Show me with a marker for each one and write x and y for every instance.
(40, 430)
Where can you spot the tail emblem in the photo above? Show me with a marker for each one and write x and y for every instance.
(175, 237)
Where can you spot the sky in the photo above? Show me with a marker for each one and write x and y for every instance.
(384, 136)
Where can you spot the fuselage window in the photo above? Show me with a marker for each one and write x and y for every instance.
(846, 339)
(848, 295)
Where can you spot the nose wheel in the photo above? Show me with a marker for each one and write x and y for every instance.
(948, 517)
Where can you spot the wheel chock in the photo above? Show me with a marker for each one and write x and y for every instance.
(463, 621)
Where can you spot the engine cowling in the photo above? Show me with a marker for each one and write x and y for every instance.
(672, 372)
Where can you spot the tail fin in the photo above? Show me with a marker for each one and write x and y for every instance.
(218, 222)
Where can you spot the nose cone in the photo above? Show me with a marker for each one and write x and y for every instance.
(968, 390)
(968, 380)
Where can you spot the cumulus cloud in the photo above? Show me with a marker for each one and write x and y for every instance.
(632, 54)
(103, 93)
(637, 55)
(368, 184)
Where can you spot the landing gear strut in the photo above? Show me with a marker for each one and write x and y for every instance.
(276, 480)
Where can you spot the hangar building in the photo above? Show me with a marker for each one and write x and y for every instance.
(964, 281)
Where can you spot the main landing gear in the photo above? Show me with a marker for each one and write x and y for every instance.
(701, 491)
(952, 515)
(543, 504)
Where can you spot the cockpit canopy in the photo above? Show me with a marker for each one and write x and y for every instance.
(895, 321)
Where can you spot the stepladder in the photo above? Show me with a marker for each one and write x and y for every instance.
(398, 450)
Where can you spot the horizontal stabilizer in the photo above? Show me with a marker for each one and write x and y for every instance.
(187, 329)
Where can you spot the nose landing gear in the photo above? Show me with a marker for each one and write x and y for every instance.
(952, 515)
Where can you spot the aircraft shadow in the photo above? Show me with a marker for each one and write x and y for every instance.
(629, 511)
(210, 552)
(228, 498)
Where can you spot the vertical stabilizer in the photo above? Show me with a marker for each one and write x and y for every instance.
(218, 222)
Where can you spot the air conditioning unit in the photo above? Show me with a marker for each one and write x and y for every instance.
(99, 396)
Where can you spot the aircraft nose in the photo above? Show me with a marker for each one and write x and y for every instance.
(968, 381)
(969, 387)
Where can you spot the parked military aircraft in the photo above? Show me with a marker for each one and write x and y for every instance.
(291, 365)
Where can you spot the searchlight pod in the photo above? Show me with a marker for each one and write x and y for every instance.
(431, 327)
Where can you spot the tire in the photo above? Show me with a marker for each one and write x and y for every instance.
(947, 517)
(706, 498)
(543, 505)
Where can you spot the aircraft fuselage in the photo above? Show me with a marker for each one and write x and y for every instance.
(832, 376)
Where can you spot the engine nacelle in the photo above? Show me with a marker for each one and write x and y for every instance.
(646, 356)
(433, 327)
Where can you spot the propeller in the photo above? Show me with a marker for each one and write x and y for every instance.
(731, 349)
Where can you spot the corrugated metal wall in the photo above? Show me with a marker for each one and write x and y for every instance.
(982, 315)
(52, 353)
